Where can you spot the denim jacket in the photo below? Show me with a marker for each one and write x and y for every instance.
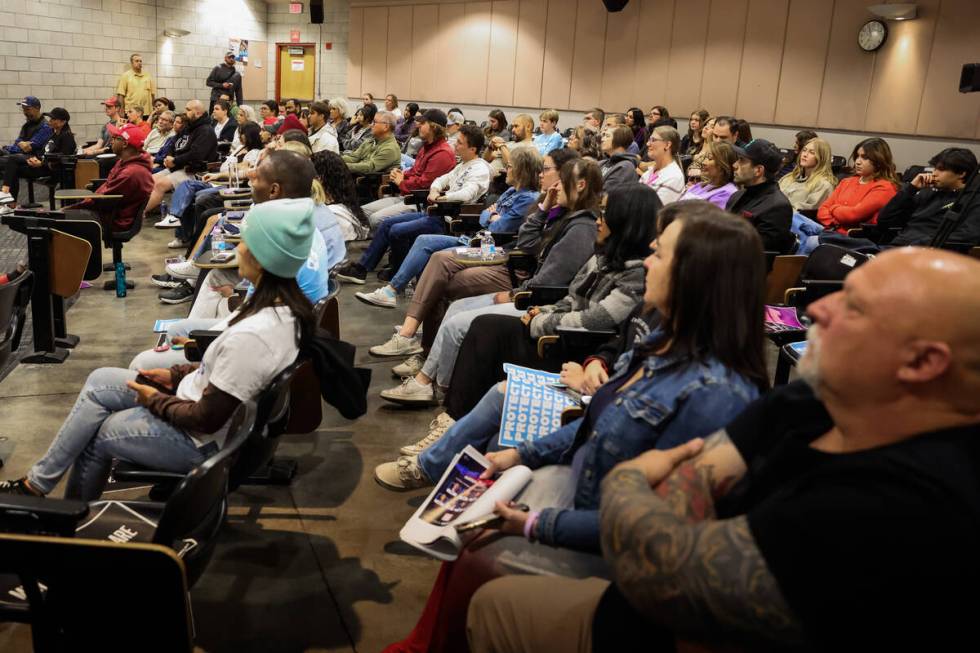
(677, 399)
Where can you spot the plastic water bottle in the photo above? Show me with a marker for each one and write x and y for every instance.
(217, 240)
(164, 210)
(120, 279)
(488, 249)
(232, 164)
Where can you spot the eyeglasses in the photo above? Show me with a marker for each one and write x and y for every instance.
(655, 140)
(549, 168)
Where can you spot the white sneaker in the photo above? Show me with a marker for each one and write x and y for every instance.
(384, 297)
(412, 393)
(409, 367)
(6, 209)
(176, 243)
(403, 474)
(182, 270)
(6, 198)
(437, 429)
(168, 222)
(397, 345)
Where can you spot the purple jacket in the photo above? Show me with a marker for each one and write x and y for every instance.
(717, 195)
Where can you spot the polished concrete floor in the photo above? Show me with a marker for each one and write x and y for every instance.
(317, 566)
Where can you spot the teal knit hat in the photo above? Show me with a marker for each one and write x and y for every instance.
(279, 233)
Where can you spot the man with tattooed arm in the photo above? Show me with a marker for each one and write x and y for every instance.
(841, 512)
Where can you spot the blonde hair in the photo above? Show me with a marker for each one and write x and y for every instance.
(317, 193)
(299, 148)
(550, 115)
(247, 111)
(821, 171)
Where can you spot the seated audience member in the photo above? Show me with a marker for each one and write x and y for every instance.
(744, 132)
(692, 141)
(434, 159)
(31, 139)
(717, 171)
(130, 177)
(162, 130)
(698, 155)
(585, 141)
(881, 434)
(197, 146)
(116, 409)
(801, 138)
(340, 195)
(269, 113)
(699, 374)
(322, 137)
(454, 121)
(339, 110)
(224, 125)
(160, 105)
(549, 138)
(378, 153)
(812, 181)
(134, 115)
(505, 215)
(446, 278)
(637, 124)
(360, 129)
(465, 183)
(726, 129)
(406, 123)
(496, 126)
(499, 150)
(618, 167)
(233, 107)
(245, 114)
(180, 124)
(290, 122)
(114, 114)
(760, 201)
(563, 251)
(858, 199)
(595, 119)
(21, 166)
(657, 114)
(664, 174)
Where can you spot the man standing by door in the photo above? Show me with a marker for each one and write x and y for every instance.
(224, 78)
(135, 87)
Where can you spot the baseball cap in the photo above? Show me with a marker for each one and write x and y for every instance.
(130, 133)
(111, 102)
(30, 101)
(433, 115)
(455, 118)
(59, 113)
(762, 153)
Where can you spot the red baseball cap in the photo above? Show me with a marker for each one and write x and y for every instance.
(111, 102)
(130, 133)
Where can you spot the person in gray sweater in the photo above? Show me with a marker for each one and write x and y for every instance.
(619, 166)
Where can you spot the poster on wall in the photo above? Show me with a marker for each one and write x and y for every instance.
(240, 49)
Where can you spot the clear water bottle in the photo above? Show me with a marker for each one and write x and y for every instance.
(217, 240)
(231, 165)
(120, 279)
(488, 249)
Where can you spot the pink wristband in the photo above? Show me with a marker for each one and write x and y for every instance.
(532, 519)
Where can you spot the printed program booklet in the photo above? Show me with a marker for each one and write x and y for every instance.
(532, 407)
(782, 318)
(459, 497)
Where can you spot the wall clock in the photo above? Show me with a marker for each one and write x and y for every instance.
(872, 35)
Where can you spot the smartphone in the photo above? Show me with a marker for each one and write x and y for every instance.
(161, 343)
(142, 380)
(557, 385)
(222, 257)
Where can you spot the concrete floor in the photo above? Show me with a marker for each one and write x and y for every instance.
(317, 566)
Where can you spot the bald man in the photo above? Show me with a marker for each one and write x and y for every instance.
(841, 512)
(196, 146)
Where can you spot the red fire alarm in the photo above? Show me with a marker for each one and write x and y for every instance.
(328, 46)
(295, 7)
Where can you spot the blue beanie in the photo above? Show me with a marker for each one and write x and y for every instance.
(279, 233)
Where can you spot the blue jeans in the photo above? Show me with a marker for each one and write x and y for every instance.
(479, 428)
(398, 232)
(106, 423)
(183, 199)
(414, 263)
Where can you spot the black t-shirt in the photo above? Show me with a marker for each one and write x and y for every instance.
(877, 547)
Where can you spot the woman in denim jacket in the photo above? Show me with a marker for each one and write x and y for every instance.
(696, 371)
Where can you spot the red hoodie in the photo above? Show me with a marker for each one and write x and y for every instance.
(133, 180)
(434, 160)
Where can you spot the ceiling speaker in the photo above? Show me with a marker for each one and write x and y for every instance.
(615, 5)
(316, 12)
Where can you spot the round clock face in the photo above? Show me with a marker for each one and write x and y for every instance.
(872, 35)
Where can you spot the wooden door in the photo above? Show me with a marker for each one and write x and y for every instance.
(296, 71)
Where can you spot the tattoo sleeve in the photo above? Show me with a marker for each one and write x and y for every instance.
(677, 565)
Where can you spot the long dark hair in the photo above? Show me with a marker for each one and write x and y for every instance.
(639, 122)
(879, 153)
(252, 133)
(274, 290)
(631, 216)
(337, 182)
(716, 300)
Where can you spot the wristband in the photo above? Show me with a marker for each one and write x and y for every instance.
(595, 358)
(529, 524)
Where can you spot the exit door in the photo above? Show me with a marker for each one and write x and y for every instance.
(296, 71)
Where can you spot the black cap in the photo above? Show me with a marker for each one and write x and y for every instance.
(434, 115)
(762, 153)
(59, 114)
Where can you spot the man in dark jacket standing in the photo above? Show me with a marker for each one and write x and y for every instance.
(193, 149)
(760, 200)
(224, 78)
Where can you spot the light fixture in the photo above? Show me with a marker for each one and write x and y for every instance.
(895, 11)
(175, 33)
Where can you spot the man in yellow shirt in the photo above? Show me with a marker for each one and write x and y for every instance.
(135, 87)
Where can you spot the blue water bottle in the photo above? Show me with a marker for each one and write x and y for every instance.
(120, 279)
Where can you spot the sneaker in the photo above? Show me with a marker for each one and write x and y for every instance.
(169, 222)
(182, 270)
(182, 293)
(352, 272)
(384, 297)
(403, 474)
(437, 429)
(398, 345)
(177, 243)
(412, 393)
(18, 487)
(165, 281)
(409, 367)
(385, 274)
(6, 209)
(6, 198)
